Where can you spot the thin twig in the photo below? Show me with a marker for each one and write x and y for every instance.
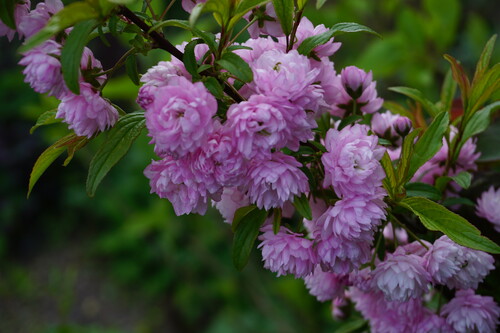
(394, 219)
(242, 30)
(148, 3)
(118, 64)
(167, 9)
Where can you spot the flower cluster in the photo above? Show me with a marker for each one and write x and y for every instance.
(86, 113)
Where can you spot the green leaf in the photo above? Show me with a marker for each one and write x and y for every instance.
(310, 43)
(397, 108)
(458, 201)
(482, 89)
(448, 92)
(463, 179)
(71, 54)
(423, 190)
(244, 7)
(479, 122)
(239, 214)
(189, 58)
(351, 326)
(245, 235)
(52, 153)
(46, 118)
(214, 87)
(284, 12)
(235, 65)
(418, 97)
(484, 60)
(117, 144)
(302, 205)
(429, 143)
(349, 120)
(65, 18)
(320, 3)
(195, 13)
(461, 78)
(390, 182)
(276, 220)
(437, 218)
(131, 68)
(221, 10)
(7, 8)
(406, 156)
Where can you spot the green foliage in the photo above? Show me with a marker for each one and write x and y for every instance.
(131, 68)
(302, 205)
(423, 190)
(46, 118)
(418, 97)
(245, 234)
(71, 54)
(117, 144)
(7, 13)
(236, 66)
(284, 11)
(437, 218)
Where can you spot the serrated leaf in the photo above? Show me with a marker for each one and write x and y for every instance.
(284, 12)
(245, 235)
(437, 218)
(235, 65)
(239, 214)
(51, 154)
(116, 145)
(71, 54)
(46, 118)
(405, 158)
(484, 59)
(276, 220)
(310, 43)
(131, 68)
(417, 96)
(65, 18)
(423, 190)
(429, 143)
(7, 8)
(301, 204)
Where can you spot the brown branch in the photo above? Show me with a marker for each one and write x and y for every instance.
(164, 44)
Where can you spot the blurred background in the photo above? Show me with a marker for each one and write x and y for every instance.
(122, 261)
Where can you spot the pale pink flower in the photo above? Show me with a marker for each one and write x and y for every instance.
(488, 206)
(325, 286)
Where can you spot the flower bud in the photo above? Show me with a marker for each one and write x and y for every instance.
(402, 126)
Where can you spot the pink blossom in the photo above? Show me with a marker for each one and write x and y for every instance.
(325, 286)
(87, 113)
(457, 266)
(21, 10)
(271, 182)
(188, 5)
(258, 47)
(180, 117)
(36, 19)
(174, 180)
(401, 235)
(266, 24)
(231, 200)
(307, 29)
(287, 252)
(401, 277)
(352, 161)
(468, 312)
(488, 206)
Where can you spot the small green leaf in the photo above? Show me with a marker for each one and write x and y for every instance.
(437, 218)
(482, 89)
(117, 144)
(221, 10)
(243, 7)
(484, 60)
(284, 12)
(235, 65)
(310, 43)
(51, 154)
(429, 143)
(189, 58)
(397, 108)
(302, 205)
(418, 97)
(276, 220)
(71, 54)
(463, 179)
(458, 201)
(65, 18)
(320, 3)
(239, 214)
(7, 8)
(195, 13)
(407, 150)
(461, 78)
(352, 326)
(390, 182)
(423, 190)
(131, 68)
(46, 118)
(245, 235)
(349, 120)
(214, 87)
(448, 92)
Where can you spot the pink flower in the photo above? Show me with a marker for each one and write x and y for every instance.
(287, 252)
(37, 19)
(258, 125)
(43, 69)
(457, 266)
(307, 29)
(87, 113)
(188, 5)
(271, 182)
(359, 91)
(352, 161)
(266, 24)
(174, 180)
(325, 286)
(389, 126)
(21, 10)
(488, 206)
(180, 117)
(231, 200)
(258, 47)
(468, 312)
(401, 277)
